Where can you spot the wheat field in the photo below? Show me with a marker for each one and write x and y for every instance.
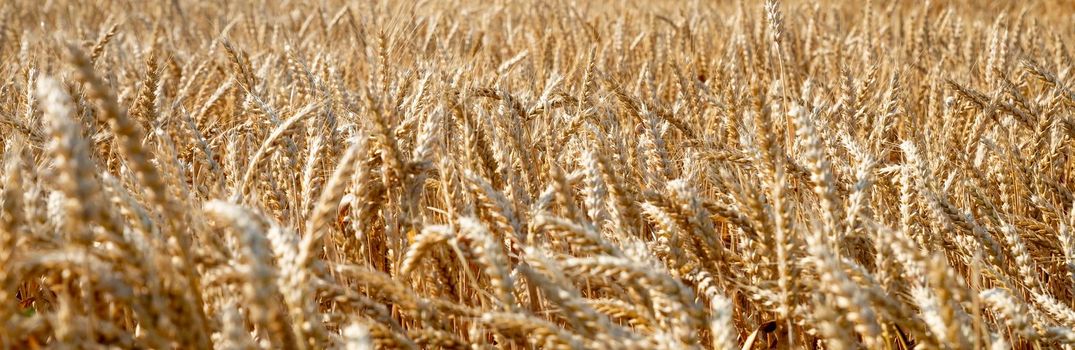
(459, 174)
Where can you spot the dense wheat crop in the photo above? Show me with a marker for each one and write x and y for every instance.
(531, 174)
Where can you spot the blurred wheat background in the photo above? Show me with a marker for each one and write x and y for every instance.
(459, 174)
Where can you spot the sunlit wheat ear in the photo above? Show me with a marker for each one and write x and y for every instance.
(1012, 311)
(75, 171)
(721, 327)
(1067, 242)
(356, 336)
(847, 296)
(383, 286)
(673, 302)
(582, 238)
(385, 338)
(266, 147)
(298, 270)
(559, 292)
(234, 335)
(535, 331)
(311, 179)
(334, 190)
(260, 288)
(129, 133)
(491, 256)
(12, 217)
(828, 325)
(820, 172)
(424, 244)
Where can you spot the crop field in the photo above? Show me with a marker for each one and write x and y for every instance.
(607, 174)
